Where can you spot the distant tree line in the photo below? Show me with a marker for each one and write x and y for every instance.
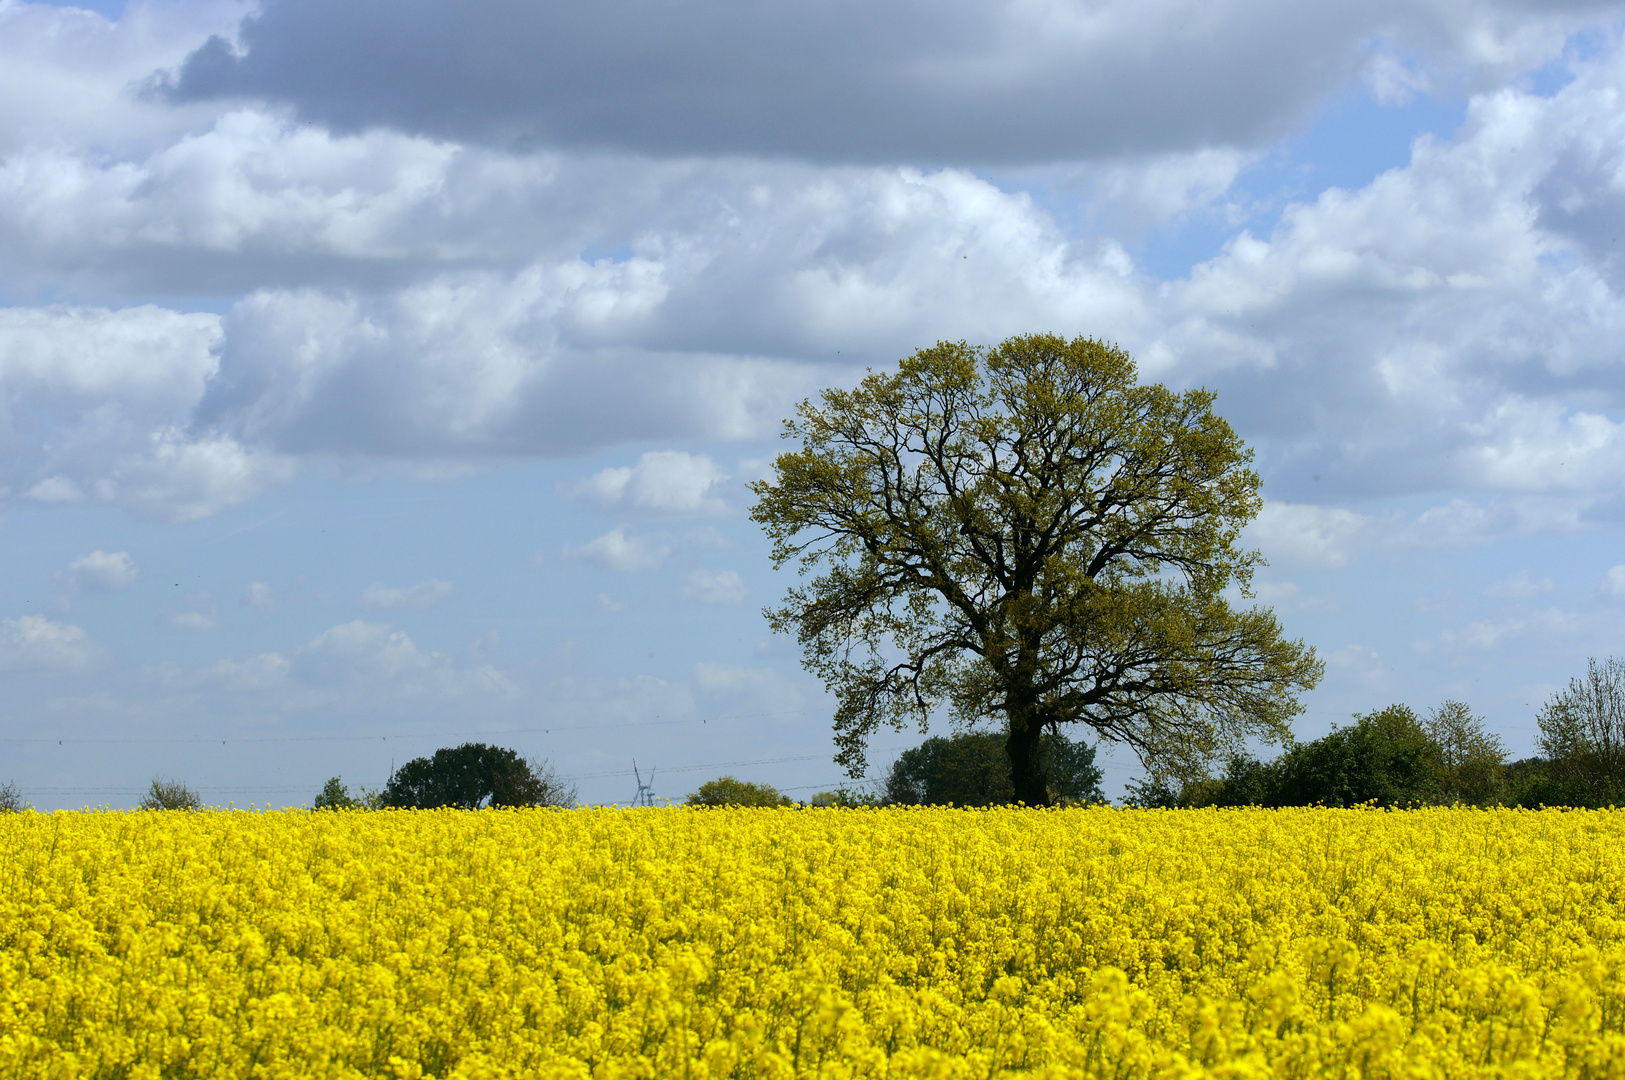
(1394, 757)
(1391, 757)
(968, 769)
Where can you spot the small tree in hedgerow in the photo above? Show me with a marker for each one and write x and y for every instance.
(1582, 736)
(1027, 533)
(163, 794)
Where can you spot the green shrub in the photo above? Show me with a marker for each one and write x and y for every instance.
(728, 791)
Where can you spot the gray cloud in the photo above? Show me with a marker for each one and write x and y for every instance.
(846, 80)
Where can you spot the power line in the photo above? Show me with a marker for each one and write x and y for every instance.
(407, 735)
(257, 789)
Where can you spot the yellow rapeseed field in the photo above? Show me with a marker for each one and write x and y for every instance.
(780, 943)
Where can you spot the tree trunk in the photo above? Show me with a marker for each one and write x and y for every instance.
(1026, 774)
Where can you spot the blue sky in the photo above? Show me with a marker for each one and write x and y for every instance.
(376, 379)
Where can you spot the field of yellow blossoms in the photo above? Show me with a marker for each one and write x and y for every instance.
(827, 942)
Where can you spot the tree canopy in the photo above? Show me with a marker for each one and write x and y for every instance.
(1582, 736)
(730, 791)
(973, 769)
(1027, 532)
(474, 775)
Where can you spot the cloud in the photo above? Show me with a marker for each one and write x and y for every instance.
(32, 643)
(267, 671)
(663, 481)
(260, 596)
(1311, 535)
(1445, 332)
(92, 403)
(103, 570)
(1488, 634)
(68, 72)
(202, 621)
(1521, 585)
(422, 595)
(608, 603)
(848, 80)
(617, 551)
(362, 654)
(715, 587)
(1290, 596)
(1614, 583)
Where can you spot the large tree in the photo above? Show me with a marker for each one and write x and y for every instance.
(1027, 532)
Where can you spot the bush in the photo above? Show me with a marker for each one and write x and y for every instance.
(169, 795)
(11, 800)
(973, 769)
(844, 796)
(474, 775)
(727, 791)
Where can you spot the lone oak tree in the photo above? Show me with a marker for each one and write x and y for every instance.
(1027, 532)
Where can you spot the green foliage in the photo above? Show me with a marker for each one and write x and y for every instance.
(169, 795)
(1529, 784)
(335, 796)
(727, 791)
(1582, 738)
(11, 799)
(1385, 757)
(474, 775)
(1029, 534)
(1389, 757)
(973, 769)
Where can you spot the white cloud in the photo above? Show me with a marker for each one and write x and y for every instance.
(1614, 582)
(266, 671)
(1489, 634)
(1362, 662)
(1521, 585)
(1312, 535)
(715, 587)
(260, 596)
(55, 489)
(363, 654)
(103, 570)
(726, 677)
(67, 72)
(32, 643)
(202, 621)
(182, 478)
(617, 551)
(663, 481)
(1292, 597)
(608, 603)
(422, 595)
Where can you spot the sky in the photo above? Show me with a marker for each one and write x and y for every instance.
(376, 377)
